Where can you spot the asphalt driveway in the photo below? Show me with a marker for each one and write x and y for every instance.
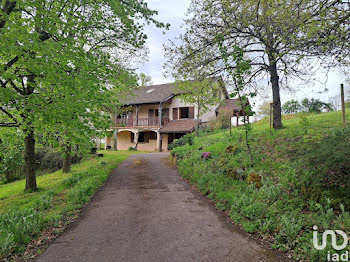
(146, 212)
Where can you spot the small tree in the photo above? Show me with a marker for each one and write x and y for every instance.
(291, 107)
(238, 73)
(202, 92)
(145, 80)
(264, 108)
(315, 105)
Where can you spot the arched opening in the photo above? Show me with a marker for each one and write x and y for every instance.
(147, 140)
(125, 140)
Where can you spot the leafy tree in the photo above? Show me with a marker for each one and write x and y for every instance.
(315, 105)
(203, 93)
(264, 109)
(291, 107)
(275, 35)
(237, 74)
(145, 80)
(58, 58)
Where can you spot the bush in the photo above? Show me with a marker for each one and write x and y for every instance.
(186, 139)
(132, 149)
(50, 159)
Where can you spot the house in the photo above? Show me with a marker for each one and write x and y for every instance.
(156, 115)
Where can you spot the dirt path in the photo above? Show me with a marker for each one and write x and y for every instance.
(146, 212)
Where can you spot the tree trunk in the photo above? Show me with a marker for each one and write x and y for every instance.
(29, 159)
(67, 161)
(277, 111)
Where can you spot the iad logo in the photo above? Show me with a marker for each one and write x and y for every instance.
(333, 237)
(333, 234)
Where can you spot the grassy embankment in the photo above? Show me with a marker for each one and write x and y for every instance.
(300, 178)
(23, 216)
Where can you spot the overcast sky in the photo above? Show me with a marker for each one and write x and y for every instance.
(173, 12)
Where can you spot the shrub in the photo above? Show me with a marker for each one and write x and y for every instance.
(186, 139)
(132, 148)
(50, 159)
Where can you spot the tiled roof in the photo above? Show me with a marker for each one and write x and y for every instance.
(230, 104)
(180, 126)
(156, 94)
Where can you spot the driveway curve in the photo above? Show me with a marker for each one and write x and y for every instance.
(146, 212)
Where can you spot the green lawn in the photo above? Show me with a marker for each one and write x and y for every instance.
(24, 215)
(300, 178)
(12, 194)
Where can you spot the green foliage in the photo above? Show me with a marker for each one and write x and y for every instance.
(70, 66)
(315, 105)
(291, 107)
(186, 139)
(24, 216)
(132, 148)
(264, 109)
(11, 154)
(303, 181)
(17, 227)
(305, 29)
(204, 93)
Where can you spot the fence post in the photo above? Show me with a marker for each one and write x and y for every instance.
(271, 108)
(342, 103)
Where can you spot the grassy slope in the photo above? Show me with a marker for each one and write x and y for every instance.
(59, 195)
(12, 194)
(293, 163)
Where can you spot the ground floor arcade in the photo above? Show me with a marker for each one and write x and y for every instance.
(142, 140)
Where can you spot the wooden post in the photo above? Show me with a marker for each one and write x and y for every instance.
(237, 120)
(230, 125)
(342, 103)
(160, 114)
(137, 108)
(271, 108)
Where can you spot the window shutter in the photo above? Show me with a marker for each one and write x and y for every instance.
(175, 113)
(191, 112)
(146, 137)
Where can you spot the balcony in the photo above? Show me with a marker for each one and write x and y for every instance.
(141, 122)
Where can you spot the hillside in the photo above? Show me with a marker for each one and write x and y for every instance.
(300, 178)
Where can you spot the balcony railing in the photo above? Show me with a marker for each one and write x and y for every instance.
(150, 121)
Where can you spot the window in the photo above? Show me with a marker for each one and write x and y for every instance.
(184, 112)
(187, 112)
(153, 135)
(153, 113)
(132, 137)
(144, 137)
(175, 114)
